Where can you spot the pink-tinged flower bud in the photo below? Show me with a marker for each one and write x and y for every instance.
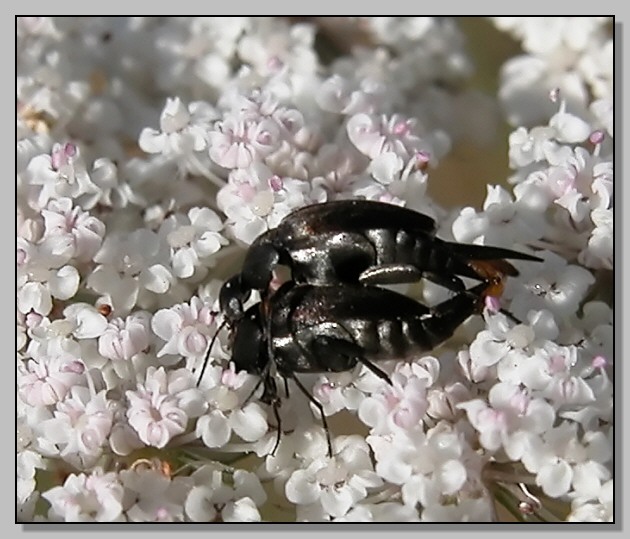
(596, 137)
(599, 362)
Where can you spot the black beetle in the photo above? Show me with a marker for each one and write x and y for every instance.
(361, 241)
(304, 328)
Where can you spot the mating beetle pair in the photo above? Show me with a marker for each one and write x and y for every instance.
(330, 316)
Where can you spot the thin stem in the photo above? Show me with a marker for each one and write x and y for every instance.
(388, 494)
(508, 477)
(505, 498)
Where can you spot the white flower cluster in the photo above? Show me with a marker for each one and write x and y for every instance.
(152, 151)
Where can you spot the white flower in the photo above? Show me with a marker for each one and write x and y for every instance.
(128, 265)
(581, 183)
(187, 328)
(192, 239)
(561, 461)
(544, 35)
(256, 200)
(182, 130)
(503, 222)
(509, 418)
(426, 466)
(113, 191)
(49, 85)
(556, 48)
(344, 390)
(563, 387)
(375, 136)
(211, 499)
(597, 68)
(51, 339)
(27, 462)
(603, 109)
(81, 425)
(61, 174)
(152, 496)
(340, 95)
(599, 251)
(500, 342)
(123, 339)
(95, 497)
(337, 483)
(273, 44)
(237, 143)
(392, 183)
(569, 128)
(159, 408)
(224, 391)
(595, 507)
(196, 52)
(84, 321)
(40, 279)
(70, 232)
(401, 405)
(553, 284)
(534, 146)
(50, 379)
(600, 390)
(241, 510)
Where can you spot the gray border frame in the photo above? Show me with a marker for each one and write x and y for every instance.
(535, 7)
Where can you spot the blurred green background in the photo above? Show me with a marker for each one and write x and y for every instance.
(461, 177)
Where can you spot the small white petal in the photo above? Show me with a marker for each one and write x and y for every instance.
(243, 510)
(570, 128)
(65, 282)
(337, 502)
(157, 279)
(301, 488)
(452, 475)
(151, 140)
(249, 423)
(199, 505)
(555, 479)
(213, 429)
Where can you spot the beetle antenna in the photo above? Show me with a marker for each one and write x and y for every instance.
(206, 359)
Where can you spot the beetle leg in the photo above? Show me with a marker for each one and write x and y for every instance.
(279, 423)
(267, 396)
(270, 397)
(258, 384)
(510, 316)
(451, 282)
(318, 406)
(331, 347)
(390, 274)
(206, 357)
(433, 328)
(468, 300)
(378, 372)
(486, 252)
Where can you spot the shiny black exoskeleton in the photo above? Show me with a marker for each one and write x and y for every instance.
(313, 329)
(360, 241)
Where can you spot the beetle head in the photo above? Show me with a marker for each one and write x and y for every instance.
(259, 263)
(249, 349)
(260, 260)
(232, 296)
